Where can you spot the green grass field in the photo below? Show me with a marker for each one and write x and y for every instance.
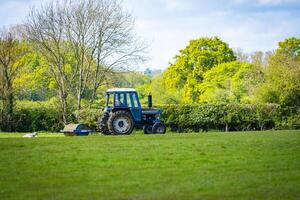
(249, 165)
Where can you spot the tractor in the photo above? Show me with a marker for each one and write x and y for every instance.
(123, 112)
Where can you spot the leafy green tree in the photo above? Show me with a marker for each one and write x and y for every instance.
(198, 57)
(290, 47)
(282, 82)
(34, 82)
(227, 82)
(130, 79)
(11, 63)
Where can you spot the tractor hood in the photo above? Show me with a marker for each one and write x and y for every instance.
(151, 111)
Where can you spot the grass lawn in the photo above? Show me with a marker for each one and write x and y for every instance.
(248, 165)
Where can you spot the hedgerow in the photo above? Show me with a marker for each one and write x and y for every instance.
(231, 117)
(181, 118)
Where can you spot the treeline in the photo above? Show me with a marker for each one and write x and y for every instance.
(209, 71)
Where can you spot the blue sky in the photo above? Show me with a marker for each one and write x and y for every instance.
(168, 25)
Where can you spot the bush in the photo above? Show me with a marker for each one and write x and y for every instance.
(88, 116)
(46, 116)
(37, 119)
(231, 117)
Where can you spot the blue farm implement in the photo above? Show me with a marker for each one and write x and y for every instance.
(76, 130)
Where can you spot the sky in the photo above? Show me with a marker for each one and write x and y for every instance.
(168, 25)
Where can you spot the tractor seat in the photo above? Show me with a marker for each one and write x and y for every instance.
(151, 111)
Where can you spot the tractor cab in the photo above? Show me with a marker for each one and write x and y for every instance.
(124, 99)
(123, 112)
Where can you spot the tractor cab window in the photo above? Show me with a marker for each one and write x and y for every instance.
(129, 103)
(109, 100)
(135, 100)
(120, 100)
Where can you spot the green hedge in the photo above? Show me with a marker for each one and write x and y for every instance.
(233, 117)
(37, 119)
(181, 118)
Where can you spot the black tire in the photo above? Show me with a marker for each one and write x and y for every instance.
(120, 123)
(103, 127)
(159, 128)
(147, 129)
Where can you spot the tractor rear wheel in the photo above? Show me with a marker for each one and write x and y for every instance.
(159, 128)
(120, 123)
(103, 126)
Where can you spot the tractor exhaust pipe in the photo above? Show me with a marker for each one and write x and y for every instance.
(149, 100)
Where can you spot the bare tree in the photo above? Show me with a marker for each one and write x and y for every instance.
(96, 34)
(11, 52)
(240, 55)
(101, 34)
(45, 28)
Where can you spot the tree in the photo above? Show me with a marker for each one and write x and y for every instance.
(282, 82)
(290, 47)
(34, 82)
(241, 56)
(45, 28)
(83, 42)
(11, 53)
(198, 57)
(100, 35)
(227, 82)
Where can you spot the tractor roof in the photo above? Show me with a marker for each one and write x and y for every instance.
(121, 90)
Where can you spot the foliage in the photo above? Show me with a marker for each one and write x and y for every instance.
(33, 82)
(282, 82)
(198, 57)
(227, 82)
(130, 79)
(162, 94)
(89, 117)
(11, 53)
(233, 117)
(37, 116)
(290, 47)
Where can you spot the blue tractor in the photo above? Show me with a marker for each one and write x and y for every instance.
(123, 112)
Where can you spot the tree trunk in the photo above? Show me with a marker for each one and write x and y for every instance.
(10, 111)
(226, 127)
(64, 109)
(93, 97)
(64, 106)
(79, 101)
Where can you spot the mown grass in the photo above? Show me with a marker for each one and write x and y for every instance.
(248, 165)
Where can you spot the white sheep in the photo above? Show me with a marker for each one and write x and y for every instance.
(30, 135)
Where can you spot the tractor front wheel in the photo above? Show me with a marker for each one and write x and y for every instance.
(120, 123)
(159, 128)
(147, 129)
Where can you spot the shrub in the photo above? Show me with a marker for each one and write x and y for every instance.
(88, 116)
(231, 117)
(37, 119)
